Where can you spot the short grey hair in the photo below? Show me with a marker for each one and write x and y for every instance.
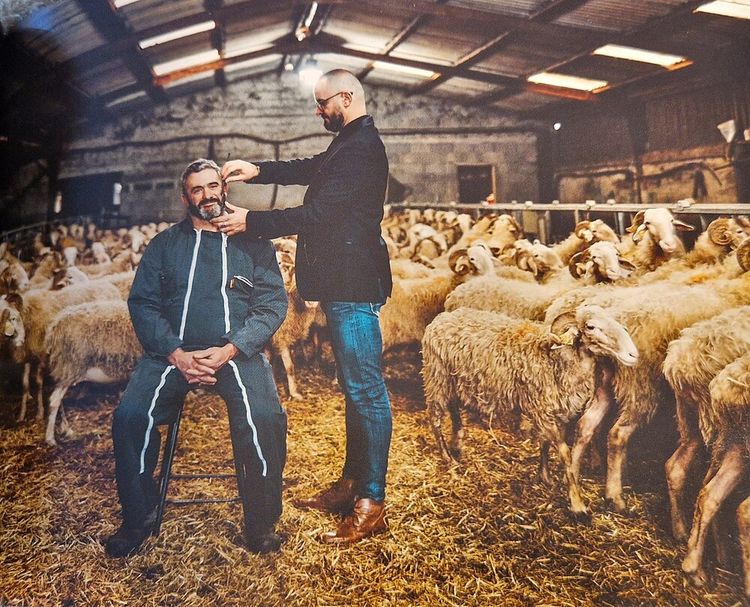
(196, 167)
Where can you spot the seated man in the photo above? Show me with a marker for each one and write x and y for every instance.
(202, 305)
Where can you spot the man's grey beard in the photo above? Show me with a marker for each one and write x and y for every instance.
(209, 212)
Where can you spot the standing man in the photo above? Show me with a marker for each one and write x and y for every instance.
(343, 263)
(203, 305)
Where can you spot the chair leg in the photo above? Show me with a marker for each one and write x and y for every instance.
(166, 472)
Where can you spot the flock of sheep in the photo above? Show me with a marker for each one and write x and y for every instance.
(561, 335)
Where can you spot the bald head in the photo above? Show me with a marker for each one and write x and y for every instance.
(340, 99)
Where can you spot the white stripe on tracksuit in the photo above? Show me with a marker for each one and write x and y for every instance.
(227, 327)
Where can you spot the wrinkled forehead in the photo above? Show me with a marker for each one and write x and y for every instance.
(202, 178)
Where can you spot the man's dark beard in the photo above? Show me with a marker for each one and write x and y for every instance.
(333, 123)
(203, 212)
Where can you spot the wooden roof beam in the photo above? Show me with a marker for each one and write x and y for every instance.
(111, 27)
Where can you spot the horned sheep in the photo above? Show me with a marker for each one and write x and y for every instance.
(491, 363)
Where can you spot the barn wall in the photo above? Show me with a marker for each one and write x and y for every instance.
(666, 139)
(425, 139)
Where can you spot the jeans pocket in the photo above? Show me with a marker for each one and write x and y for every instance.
(375, 309)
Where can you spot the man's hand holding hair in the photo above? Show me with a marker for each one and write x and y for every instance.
(239, 170)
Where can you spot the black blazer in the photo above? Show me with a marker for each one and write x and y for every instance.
(340, 254)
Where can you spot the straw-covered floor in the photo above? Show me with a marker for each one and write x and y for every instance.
(484, 533)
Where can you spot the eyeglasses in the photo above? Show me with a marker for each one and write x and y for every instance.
(321, 104)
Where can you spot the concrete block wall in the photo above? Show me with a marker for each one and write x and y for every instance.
(151, 146)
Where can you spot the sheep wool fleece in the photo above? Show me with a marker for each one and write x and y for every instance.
(196, 289)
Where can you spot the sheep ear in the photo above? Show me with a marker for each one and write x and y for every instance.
(637, 221)
(14, 299)
(628, 265)
(682, 226)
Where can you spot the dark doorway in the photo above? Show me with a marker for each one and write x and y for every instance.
(475, 182)
(88, 195)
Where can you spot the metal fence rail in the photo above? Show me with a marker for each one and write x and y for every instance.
(620, 216)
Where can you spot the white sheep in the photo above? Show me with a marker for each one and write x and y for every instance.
(692, 361)
(493, 364)
(40, 307)
(88, 342)
(654, 232)
(415, 302)
(730, 459)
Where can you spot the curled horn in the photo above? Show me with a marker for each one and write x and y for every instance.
(576, 262)
(459, 262)
(516, 227)
(581, 226)
(637, 222)
(718, 231)
(743, 255)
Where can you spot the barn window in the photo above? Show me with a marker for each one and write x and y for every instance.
(475, 182)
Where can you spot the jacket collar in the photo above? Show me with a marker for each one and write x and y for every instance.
(355, 125)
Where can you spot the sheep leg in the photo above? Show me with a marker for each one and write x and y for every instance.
(65, 428)
(457, 438)
(577, 506)
(26, 391)
(436, 421)
(710, 499)
(543, 471)
(55, 401)
(588, 425)
(40, 389)
(288, 362)
(743, 524)
(617, 448)
(679, 465)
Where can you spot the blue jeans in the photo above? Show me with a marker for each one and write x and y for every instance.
(358, 348)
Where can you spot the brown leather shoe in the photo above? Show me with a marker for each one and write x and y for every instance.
(338, 498)
(367, 519)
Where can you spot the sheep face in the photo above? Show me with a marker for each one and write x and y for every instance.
(14, 278)
(10, 319)
(661, 226)
(603, 336)
(481, 258)
(601, 232)
(605, 257)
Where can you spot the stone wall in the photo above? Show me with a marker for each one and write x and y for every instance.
(426, 138)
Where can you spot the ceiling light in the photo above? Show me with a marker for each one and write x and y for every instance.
(288, 66)
(557, 126)
(185, 62)
(121, 3)
(126, 98)
(310, 74)
(175, 34)
(638, 54)
(403, 69)
(740, 9)
(568, 82)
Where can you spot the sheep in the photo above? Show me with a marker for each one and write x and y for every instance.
(419, 234)
(48, 265)
(13, 277)
(584, 234)
(415, 302)
(654, 315)
(692, 361)
(600, 263)
(296, 326)
(653, 231)
(498, 232)
(491, 363)
(13, 333)
(88, 342)
(39, 309)
(122, 262)
(406, 268)
(730, 397)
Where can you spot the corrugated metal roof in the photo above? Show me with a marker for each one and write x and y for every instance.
(617, 15)
(483, 57)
